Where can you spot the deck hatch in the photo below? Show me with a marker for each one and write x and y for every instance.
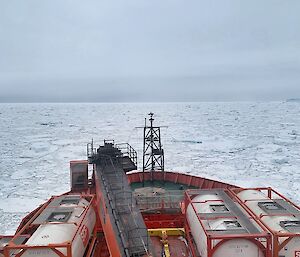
(219, 208)
(292, 226)
(232, 224)
(70, 201)
(59, 216)
(271, 207)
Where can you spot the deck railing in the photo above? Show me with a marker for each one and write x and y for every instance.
(165, 201)
(128, 150)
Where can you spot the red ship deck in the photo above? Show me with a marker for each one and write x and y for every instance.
(164, 215)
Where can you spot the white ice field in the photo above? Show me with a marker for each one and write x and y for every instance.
(243, 143)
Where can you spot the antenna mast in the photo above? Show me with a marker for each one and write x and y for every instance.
(153, 154)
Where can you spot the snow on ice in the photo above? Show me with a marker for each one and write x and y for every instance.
(243, 143)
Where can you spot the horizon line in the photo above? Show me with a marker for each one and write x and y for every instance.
(145, 102)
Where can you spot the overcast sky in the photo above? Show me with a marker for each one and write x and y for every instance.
(122, 50)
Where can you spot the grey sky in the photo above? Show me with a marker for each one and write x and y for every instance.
(114, 50)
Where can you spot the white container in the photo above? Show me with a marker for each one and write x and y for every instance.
(58, 233)
(238, 247)
(252, 198)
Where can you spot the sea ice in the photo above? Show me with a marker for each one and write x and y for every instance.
(244, 143)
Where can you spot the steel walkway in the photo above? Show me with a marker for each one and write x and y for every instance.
(128, 223)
